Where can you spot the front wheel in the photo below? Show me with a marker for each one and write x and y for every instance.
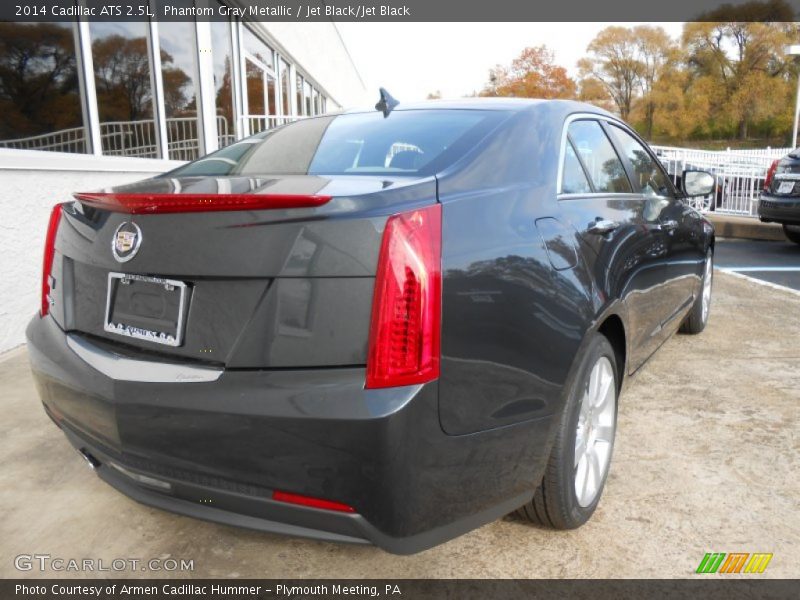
(697, 318)
(792, 233)
(578, 465)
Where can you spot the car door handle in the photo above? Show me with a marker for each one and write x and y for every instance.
(602, 226)
(669, 225)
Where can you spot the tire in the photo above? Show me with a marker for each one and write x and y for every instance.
(697, 319)
(557, 503)
(792, 233)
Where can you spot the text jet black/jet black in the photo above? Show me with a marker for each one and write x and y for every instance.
(387, 326)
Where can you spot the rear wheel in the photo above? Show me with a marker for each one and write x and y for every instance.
(697, 318)
(792, 233)
(578, 465)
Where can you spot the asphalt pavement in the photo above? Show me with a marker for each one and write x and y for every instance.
(777, 263)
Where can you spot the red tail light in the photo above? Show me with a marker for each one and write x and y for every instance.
(136, 204)
(770, 174)
(290, 498)
(405, 333)
(49, 253)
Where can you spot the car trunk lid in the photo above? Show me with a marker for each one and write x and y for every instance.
(786, 180)
(245, 272)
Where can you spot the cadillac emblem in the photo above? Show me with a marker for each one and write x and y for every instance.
(126, 241)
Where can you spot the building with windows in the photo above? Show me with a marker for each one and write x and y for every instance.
(169, 90)
(85, 105)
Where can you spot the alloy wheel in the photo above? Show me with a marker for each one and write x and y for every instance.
(594, 437)
(707, 276)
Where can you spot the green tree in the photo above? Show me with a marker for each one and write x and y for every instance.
(745, 59)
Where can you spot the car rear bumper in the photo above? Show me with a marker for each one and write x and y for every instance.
(216, 448)
(779, 209)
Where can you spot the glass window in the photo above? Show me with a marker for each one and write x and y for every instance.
(574, 179)
(223, 81)
(598, 155)
(260, 97)
(418, 142)
(124, 96)
(309, 110)
(178, 56)
(272, 95)
(285, 87)
(261, 86)
(40, 102)
(219, 162)
(257, 48)
(299, 91)
(255, 89)
(649, 176)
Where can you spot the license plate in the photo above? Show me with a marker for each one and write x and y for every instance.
(786, 187)
(146, 308)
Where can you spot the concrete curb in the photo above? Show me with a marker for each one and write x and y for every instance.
(746, 228)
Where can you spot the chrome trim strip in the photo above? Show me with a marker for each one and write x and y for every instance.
(582, 116)
(600, 196)
(143, 479)
(121, 368)
(167, 341)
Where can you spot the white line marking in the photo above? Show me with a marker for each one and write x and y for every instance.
(765, 269)
(768, 284)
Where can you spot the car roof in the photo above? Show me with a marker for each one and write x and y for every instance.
(499, 104)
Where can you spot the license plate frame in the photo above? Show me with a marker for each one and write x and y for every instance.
(141, 333)
(786, 187)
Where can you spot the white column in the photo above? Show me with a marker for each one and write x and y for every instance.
(293, 108)
(241, 69)
(206, 101)
(86, 65)
(157, 85)
(237, 85)
(794, 51)
(796, 113)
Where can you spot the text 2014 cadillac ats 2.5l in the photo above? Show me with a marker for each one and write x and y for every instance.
(385, 326)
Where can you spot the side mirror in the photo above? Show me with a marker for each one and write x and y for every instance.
(697, 183)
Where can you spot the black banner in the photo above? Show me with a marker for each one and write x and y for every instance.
(401, 10)
(406, 589)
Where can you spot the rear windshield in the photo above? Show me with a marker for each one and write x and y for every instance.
(414, 142)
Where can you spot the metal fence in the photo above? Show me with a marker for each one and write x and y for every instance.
(739, 174)
(66, 140)
(128, 138)
(258, 123)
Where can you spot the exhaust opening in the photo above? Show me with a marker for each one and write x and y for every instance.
(91, 460)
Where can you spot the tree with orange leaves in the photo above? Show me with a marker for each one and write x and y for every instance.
(533, 74)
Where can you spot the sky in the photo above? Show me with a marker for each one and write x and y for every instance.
(412, 60)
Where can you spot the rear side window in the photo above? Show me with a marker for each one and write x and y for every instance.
(598, 155)
(651, 179)
(413, 142)
(574, 180)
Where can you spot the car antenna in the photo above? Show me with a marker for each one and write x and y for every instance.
(386, 104)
